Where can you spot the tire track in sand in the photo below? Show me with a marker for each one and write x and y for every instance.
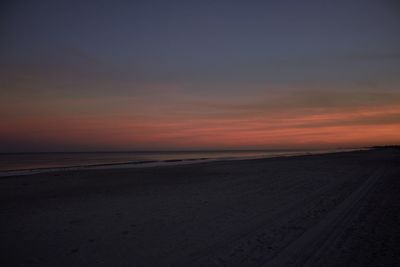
(305, 250)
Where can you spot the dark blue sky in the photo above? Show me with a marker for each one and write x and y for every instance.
(203, 54)
(207, 41)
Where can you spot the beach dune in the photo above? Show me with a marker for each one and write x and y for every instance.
(339, 209)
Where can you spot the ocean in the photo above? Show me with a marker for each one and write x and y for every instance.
(35, 161)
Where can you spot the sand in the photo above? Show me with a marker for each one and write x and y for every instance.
(338, 209)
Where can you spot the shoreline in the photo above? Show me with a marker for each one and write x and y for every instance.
(169, 162)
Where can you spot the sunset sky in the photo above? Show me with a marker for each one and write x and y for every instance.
(172, 75)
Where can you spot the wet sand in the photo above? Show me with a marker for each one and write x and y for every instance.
(339, 209)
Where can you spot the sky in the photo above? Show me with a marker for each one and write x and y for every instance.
(183, 75)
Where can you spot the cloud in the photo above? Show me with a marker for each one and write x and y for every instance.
(82, 56)
(304, 101)
(375, 56)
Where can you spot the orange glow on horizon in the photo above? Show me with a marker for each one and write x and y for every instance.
(295, 129)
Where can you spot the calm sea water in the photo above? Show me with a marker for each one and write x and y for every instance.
(31, 161)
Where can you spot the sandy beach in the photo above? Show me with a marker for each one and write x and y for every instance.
(339, 209)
